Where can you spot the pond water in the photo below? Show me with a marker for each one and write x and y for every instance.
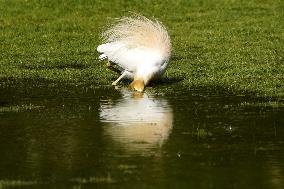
(101, 137)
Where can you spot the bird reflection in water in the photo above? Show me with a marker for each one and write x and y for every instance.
(138, 122)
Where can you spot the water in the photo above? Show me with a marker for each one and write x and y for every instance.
(101, 137)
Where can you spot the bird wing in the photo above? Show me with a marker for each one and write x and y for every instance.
(129, 58)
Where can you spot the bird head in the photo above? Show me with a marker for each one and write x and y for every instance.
(137, 85)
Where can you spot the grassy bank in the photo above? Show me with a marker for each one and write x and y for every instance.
(233, 45)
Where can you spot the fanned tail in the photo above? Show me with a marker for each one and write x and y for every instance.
(139, 31)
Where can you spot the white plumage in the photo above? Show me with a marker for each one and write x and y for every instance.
(139, 47)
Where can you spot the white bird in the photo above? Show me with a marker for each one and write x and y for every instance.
(139, 47)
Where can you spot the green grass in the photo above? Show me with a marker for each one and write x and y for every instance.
(236, 45)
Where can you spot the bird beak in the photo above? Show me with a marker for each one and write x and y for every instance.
(137, 85)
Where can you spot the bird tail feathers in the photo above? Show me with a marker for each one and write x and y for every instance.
(139, 31)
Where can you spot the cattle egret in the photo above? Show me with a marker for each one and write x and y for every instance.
(138, 48)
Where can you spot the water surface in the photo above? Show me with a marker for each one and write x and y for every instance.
(101, 137)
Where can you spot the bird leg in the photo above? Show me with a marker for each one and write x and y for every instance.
(120, 77)
(112, 67)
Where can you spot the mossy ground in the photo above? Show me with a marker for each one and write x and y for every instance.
(234, 45)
